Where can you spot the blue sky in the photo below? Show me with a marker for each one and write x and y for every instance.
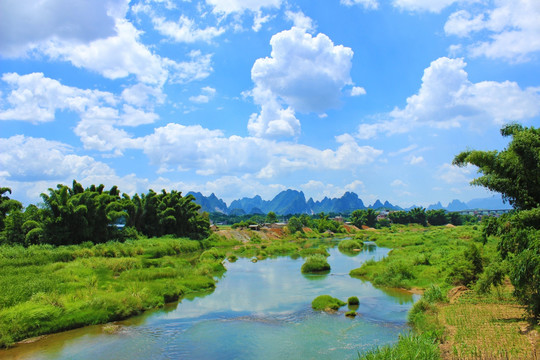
(246, 97)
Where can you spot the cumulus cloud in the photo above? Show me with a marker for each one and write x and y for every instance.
(29, 159)
(367, 4)
(199, 67)
(304, 73)
(31, 165)
(208, 152)
(24, 24)
(357, 91)
(512, 26)
(36, 98)
(113, 57)
(207, 93)
(185, 30)
(448, 99)
(300, 20)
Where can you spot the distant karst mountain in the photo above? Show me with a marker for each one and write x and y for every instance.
(294, 202)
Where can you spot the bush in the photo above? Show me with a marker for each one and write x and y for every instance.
(314, 264)
(348, 245)
(353, 300)
(433, 294)
(326, 303)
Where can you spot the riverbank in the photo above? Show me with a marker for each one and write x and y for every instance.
(47, 289)
(465, 323)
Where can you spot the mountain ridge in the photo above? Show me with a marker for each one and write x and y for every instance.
(294, 202)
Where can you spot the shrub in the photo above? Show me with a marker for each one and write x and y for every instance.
(353, 300)
(315, 263)
(348, 245)
(433, 294)
(326, 303)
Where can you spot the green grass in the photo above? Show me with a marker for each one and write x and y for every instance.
(315, 264)
(47, 289)
(421, 256)
(327, 303)
(349, 245)
(408, 347)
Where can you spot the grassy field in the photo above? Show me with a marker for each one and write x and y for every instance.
(465, 323)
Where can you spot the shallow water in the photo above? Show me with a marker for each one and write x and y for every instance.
(258, 311)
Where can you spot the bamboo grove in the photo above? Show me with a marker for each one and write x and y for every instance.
(74, 215)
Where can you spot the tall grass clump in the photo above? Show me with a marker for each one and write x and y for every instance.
(326, 303)
(349, 245)
(408, 347)
(315, 264)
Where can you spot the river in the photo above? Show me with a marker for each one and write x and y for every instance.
(258, 310)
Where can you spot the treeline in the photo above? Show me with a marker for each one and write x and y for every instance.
(74, 215)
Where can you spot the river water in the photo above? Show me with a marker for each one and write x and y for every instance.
(258, 311)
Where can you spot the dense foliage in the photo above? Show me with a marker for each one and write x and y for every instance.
(515, 173)
(74, 215)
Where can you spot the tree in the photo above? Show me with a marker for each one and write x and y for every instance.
(366, 217)
(271, 217)
(515, 173)
(7, 205)
(437, 217)
(294, 225)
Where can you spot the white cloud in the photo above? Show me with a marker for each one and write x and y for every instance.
(462, 23)
(198, 68)
(448, 99)
(209, 152)
(512, 26)
(451, 174)
(305, 73)
(273, 121)
(134, 117)
(300, 20)
(357, 91)
(416, 160)
(143, 95)
(27, 159)
(36, 99)
(404, 150)
(259, 20)
(97, 130)
(185, 30)
(368, 4)
(32, 165)
(179, 147)
(240, 6)
(114, 57)
(205, 96)
(397, 183)
(24, 24)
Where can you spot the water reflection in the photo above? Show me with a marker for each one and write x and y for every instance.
(255, 307)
